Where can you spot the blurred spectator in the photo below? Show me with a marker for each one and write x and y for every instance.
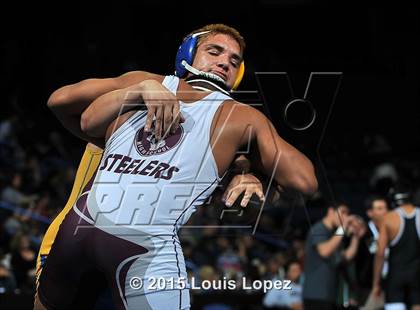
(62, 183)
(324, 253)
(188, 249)
(13, 224)
(283, 298)
(229, 262)
(248, 248)
(12, 194)
(32, 173)
(206, 250)
(7, 129)
(42, 206)
(7, 280)
(207, 273)
(275, 267)
(298, 247)
(23, 261)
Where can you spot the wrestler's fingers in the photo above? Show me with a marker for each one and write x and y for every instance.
(260, 194)
(226, 194)
(246, 198)
(167, 119)
(158, 124)
(149, 118)
(234, 194)
(176, 117)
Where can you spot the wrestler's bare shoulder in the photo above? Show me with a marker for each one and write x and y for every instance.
(392, 216)
(243, 113)
(133, 77)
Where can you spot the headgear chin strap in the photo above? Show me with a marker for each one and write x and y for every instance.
(207, 84)
(195, 71)
(185, 57)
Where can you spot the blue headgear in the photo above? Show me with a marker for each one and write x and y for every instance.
(185, 57)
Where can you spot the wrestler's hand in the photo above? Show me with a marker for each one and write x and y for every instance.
(243, 183)
(163, 106)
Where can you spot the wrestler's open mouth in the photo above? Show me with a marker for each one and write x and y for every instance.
(220, 74)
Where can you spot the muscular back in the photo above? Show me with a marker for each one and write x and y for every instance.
(393, 222)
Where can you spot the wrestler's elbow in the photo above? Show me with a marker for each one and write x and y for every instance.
(307, 185)
(304, 184)
(302, 178)
(87, 124)
(58, 98)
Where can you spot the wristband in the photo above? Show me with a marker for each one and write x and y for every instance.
(339, 231)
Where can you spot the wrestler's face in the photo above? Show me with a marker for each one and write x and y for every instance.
(378, 210)
(219, 54)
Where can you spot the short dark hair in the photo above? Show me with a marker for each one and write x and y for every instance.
(223, 29)
(290, 263)
(340, 203)
(372, 198)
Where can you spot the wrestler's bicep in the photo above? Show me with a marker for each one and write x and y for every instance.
(275, 154)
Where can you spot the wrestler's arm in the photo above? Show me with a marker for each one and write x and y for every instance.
(380, 255)
(103, 111)
(235, 125)
(68, 102)
(292, 169)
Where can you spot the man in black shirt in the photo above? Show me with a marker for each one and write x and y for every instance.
(323, 254)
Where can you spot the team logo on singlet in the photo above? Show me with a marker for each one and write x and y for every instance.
(147, 144)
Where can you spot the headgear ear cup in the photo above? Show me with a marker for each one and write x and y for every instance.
(186, 51)
(239, 76)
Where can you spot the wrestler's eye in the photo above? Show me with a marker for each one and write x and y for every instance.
(214, 52)
(235, 63)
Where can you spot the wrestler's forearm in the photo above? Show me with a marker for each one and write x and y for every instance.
(69, 102)
(75, 98)
(377, 268)
(104, 110)
(380, 252)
